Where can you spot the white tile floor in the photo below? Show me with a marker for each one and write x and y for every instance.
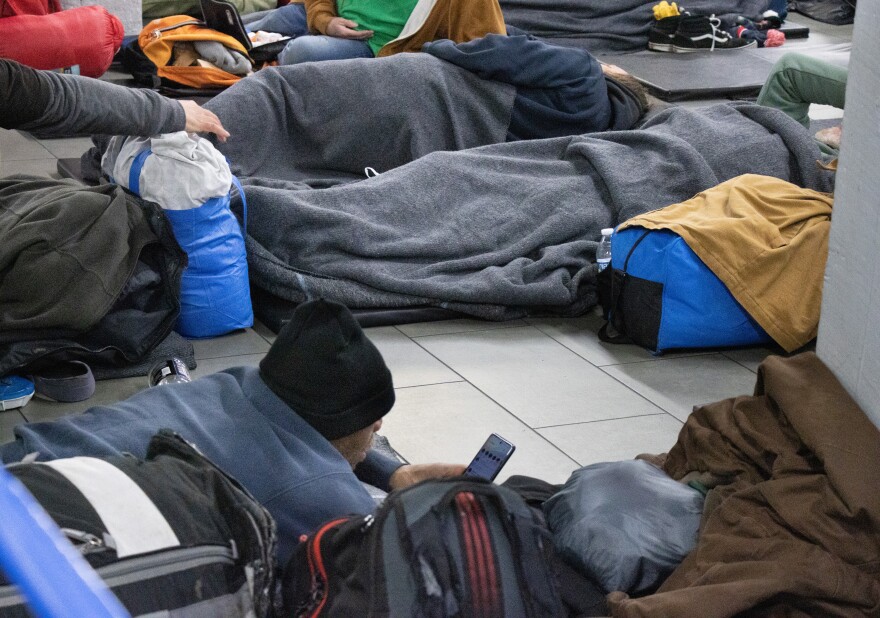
(550, 386)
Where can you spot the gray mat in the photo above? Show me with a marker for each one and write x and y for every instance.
(674, 77)
(794, 30)
(730, 73)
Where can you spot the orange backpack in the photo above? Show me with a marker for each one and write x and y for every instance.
(157, 41)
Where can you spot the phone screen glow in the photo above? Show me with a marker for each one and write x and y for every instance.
(490, 458)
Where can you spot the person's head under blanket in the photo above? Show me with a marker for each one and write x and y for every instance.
(331, 120)
(633, 88)
(296, 432)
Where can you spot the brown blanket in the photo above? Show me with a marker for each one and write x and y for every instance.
(796, 529)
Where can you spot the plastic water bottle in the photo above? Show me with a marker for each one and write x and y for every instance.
(170, 371)
(603, 251)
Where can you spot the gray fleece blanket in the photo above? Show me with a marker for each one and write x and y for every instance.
(321, 123)
(602, 26)
(506, 230)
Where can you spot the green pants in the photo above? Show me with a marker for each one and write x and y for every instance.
(797, 80)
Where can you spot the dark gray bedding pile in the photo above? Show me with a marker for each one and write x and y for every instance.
(324, 122)
(509, 229)
(607, 25)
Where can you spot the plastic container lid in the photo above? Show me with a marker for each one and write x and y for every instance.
(15, 392)
(607, 231)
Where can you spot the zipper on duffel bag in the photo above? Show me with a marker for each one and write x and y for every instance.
(134, 570)
(165, 563)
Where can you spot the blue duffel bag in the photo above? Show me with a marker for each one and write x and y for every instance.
(214, 291)
(192, 182)
(660, 295)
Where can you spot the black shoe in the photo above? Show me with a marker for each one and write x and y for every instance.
(662, 34)
(701, 33)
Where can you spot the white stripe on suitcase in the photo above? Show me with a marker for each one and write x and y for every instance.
(132, 519)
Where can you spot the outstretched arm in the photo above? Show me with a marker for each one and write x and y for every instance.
(388, 474)
(415, 473)
(56, 105)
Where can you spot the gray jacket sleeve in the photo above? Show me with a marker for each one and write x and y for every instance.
(55, 105)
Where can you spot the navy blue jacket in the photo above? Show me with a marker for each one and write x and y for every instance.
(560, 90)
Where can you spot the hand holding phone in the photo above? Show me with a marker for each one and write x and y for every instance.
(491, 457)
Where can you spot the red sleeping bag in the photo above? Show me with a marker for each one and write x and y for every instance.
(88, 36)
(8, 8)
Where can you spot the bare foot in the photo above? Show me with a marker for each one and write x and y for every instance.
(830, 136)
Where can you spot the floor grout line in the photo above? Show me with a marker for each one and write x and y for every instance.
(497, 403)
(609, 420)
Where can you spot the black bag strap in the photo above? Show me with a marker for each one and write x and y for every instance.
(430, 561)
(613, 330)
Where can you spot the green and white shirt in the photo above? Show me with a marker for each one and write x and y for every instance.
(385, 18)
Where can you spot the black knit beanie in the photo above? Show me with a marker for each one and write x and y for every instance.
(324, 367)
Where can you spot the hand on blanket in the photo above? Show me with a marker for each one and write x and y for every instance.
(411, 474)
(200, 120)
(345, 29)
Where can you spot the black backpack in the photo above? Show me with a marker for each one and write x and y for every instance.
(459, 547)
(210, 550)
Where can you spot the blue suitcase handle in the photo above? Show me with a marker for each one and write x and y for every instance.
(53, 577)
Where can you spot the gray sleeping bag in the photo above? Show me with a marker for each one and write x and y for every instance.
(624, 524)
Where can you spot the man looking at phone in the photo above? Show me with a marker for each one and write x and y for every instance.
(296, 432)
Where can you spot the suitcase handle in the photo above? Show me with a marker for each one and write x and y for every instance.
(55, 580)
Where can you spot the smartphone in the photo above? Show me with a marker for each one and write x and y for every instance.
(490, 458)
(224, 17)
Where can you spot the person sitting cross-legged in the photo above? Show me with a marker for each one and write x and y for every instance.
(340, 29)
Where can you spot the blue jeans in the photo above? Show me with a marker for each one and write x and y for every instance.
(314, 48)
(289, 20)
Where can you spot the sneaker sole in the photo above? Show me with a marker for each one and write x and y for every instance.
(688, 50)
(661, 47)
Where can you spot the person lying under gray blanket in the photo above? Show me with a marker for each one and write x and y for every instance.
(326, 122)
(506, 230)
